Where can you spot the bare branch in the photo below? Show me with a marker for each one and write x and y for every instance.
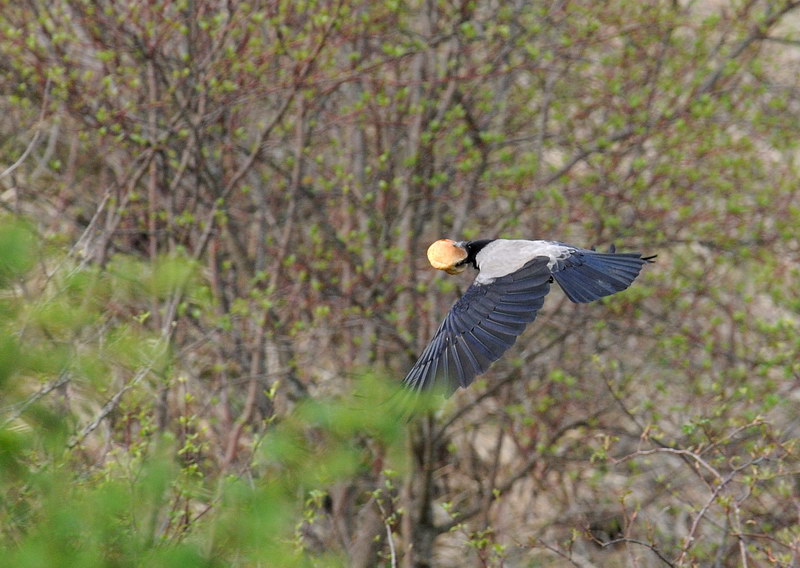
(37, 132)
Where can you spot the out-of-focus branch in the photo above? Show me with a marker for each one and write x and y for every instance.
(20, 408)
(37, 132)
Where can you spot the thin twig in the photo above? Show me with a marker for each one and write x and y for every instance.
(114, 401)
(389, 536)
(9, 170)
(21, 407)
(686, 453)
(653, 548)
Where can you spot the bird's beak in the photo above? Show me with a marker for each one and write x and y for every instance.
(445, 254)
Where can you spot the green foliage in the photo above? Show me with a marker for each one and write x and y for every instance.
(148, 503)
(16, 242)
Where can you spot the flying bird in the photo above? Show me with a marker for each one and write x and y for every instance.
(513, 278)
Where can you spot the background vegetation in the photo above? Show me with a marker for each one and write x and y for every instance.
(212, 264)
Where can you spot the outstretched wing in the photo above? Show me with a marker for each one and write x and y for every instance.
(586, 275)
(480, 327)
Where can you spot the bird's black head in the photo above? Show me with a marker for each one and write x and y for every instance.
(473, 248)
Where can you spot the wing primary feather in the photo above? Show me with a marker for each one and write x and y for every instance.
(467, 360)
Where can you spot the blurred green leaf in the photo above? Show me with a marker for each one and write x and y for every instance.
(17, 250)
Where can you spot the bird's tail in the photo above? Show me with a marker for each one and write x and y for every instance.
(587, 275)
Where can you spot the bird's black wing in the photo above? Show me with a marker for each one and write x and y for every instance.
(587, 275)
(480, 327)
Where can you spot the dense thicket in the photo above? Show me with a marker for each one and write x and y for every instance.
(215, 218)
